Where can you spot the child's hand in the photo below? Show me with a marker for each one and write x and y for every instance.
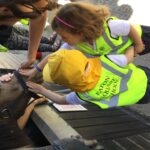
(6, 77)
(139, 48)
(33, 103)
(24, 118)
(34, 87)
(30, 73)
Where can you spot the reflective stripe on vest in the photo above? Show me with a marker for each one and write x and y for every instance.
(114, 47)
(106, 44)
(125, 86)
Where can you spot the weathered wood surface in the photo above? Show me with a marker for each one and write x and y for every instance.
(12, 60)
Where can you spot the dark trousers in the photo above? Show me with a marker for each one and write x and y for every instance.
(146, 39)
(19, 40)
(146, 98)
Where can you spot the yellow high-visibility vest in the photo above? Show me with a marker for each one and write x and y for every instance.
(117, 86)
(106, 44)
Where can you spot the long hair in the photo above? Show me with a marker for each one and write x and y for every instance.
(81, 17)
(12, 5)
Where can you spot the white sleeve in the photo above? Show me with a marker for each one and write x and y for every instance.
(72, 98)
(66, 46)
(119, 27)
(120, 60)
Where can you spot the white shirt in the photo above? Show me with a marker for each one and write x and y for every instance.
(117, 28)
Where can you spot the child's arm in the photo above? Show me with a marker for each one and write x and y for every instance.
(138, 44)
(25, 117)
(123, 59)
(36, 28)
(30, 73)
(129, 53)
(37, 88)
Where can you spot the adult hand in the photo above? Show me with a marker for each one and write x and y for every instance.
(30, 73)
(26, 64)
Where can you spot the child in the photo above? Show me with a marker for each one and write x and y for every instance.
(96, 80)
(91, 29)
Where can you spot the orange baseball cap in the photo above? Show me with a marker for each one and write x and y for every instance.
(72, 69)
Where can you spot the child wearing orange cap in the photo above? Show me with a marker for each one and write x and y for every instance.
(96, 80)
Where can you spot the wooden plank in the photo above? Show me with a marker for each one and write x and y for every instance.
(146, 136)
(51, 124)
(137, 140)
(11, 60)
(121, 144)
(111, 129)
(100, 121)
(116, 135)
(110, 145)
(91, 114)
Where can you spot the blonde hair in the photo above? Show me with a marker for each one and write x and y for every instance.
(81, 17)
